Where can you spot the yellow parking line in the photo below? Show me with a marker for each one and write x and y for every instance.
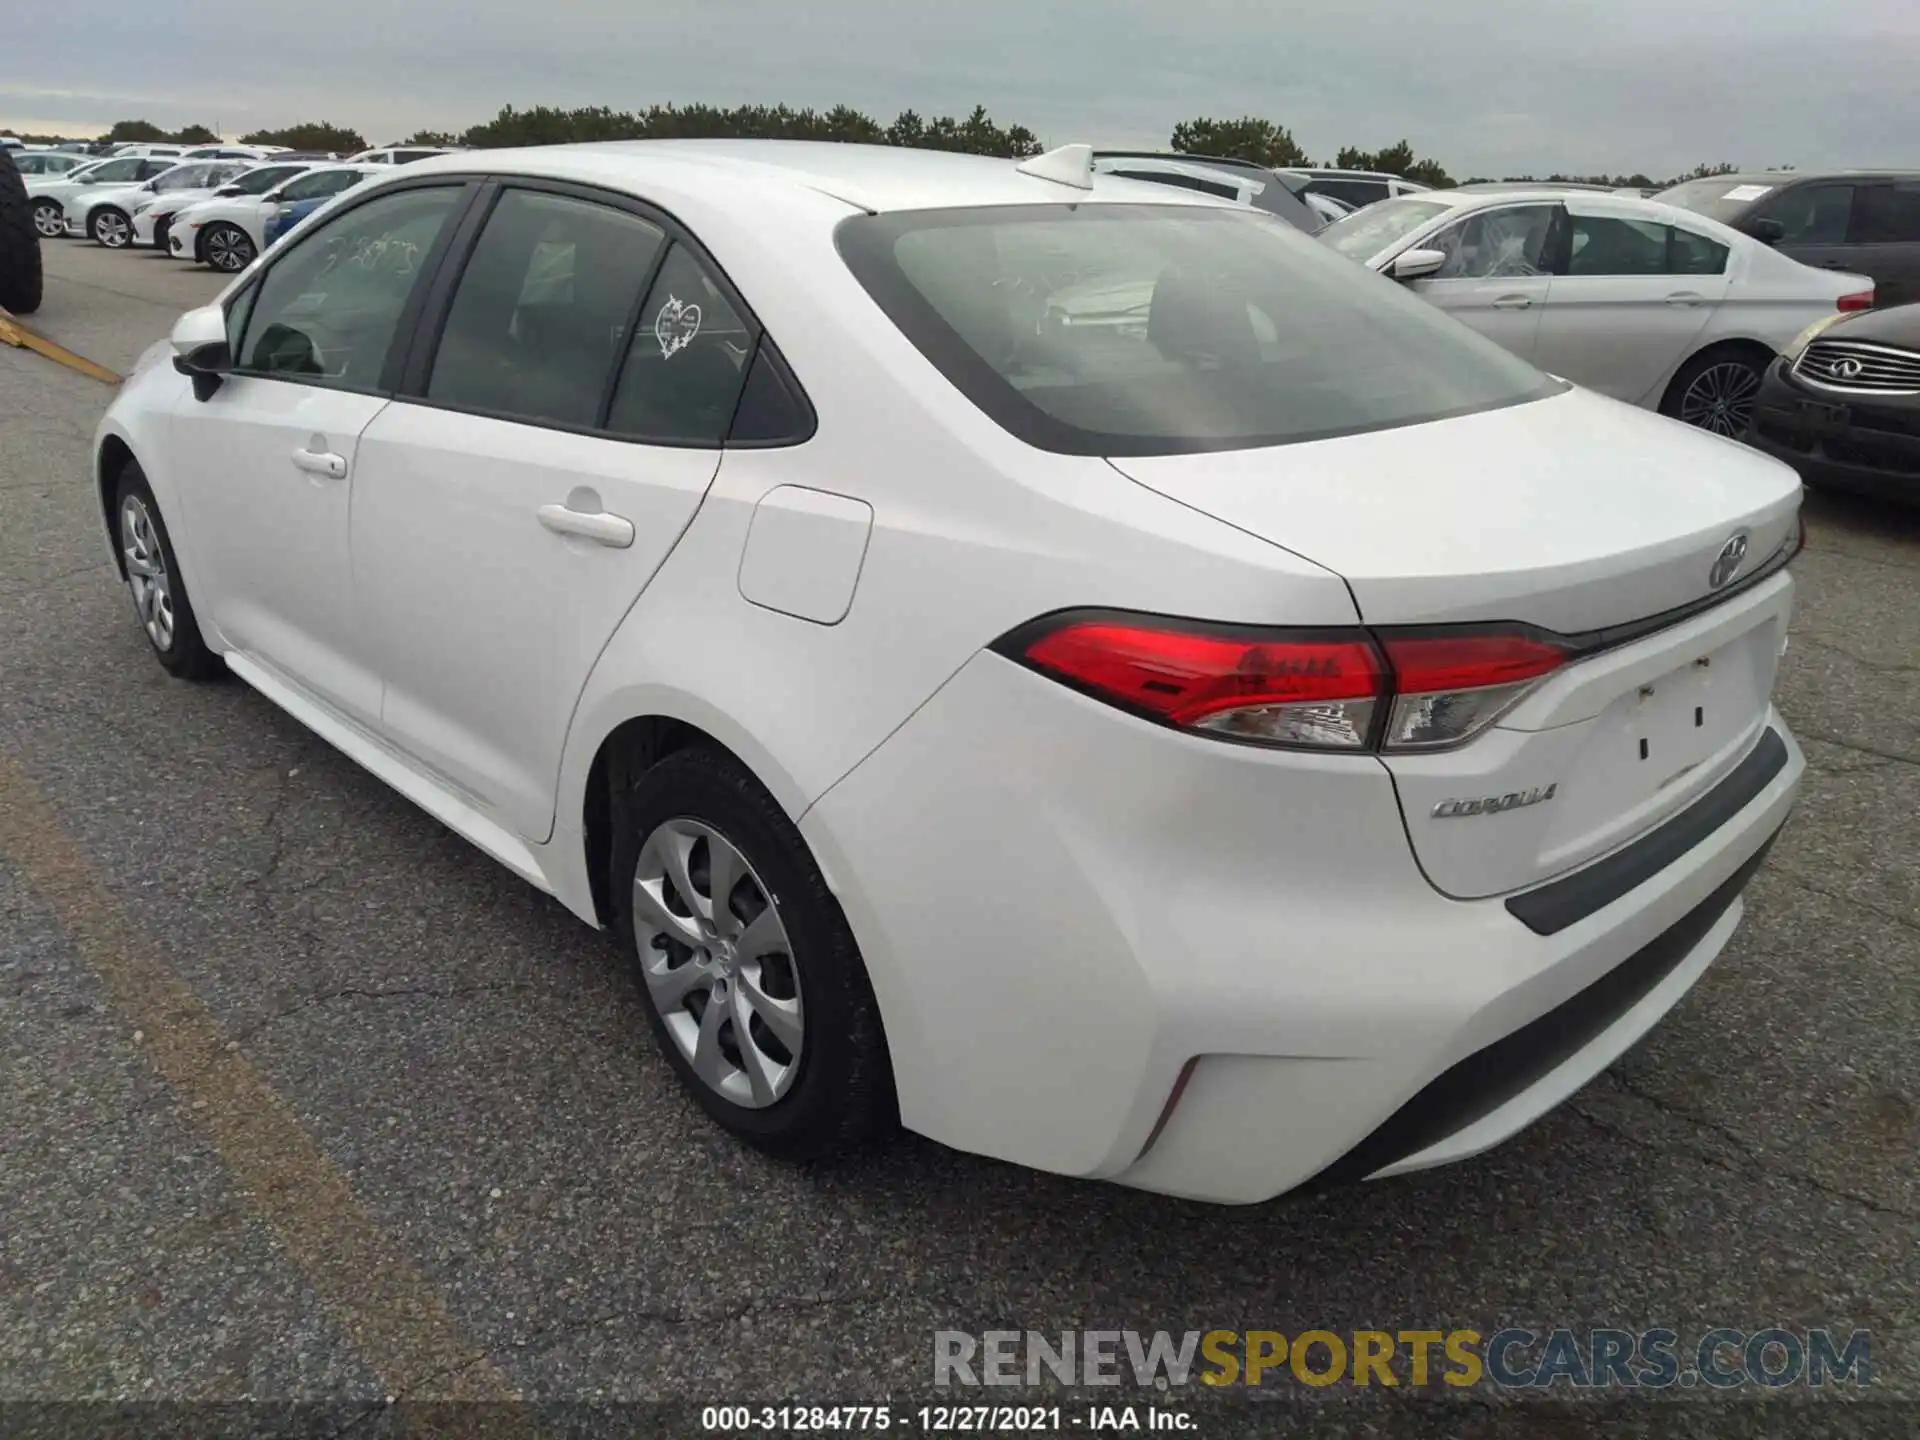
(13, 333)
(370, 1287)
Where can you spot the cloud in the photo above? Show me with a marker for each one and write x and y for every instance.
(1485, 86)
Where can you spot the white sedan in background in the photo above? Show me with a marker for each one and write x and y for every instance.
(228, 231)
(1270, 734)
(152, 222)
(49, 194)
(105, 214)
(1642, 301)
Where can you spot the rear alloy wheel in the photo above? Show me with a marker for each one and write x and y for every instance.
(1715, 392)
(111, 228)
(49, 220)
(750, 974)
(228, 248)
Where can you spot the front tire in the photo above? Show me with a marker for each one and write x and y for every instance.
(228, 248)
(1715, 390)
(20, 274)
(751, 978)
(159, 594)
(111, 228)
(49, 221)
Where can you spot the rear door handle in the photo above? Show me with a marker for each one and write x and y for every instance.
(321, 462)
(601, 528)
(1513, 302)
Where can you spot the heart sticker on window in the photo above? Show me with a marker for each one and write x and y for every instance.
(675, 326)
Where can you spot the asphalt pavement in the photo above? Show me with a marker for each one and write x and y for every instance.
(303, 1097)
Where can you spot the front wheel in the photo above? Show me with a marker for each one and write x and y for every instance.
(49, 220)
(111, 228)
(1715, 391)
(750, 974)
(154, 583)
(228, 248)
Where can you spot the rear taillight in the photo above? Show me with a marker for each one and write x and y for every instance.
(1313, 689)
(1859, 300)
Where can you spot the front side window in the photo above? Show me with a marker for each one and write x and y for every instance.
(1142, 330)
(320, 184)
(1812, 214)
(1888, 214)
(327, 312)
(258, 182)
(1364, 234)
(1354, 192)
(1496, 243)
(114, 170)
(181, 177)
(687, 361)
(542, 310)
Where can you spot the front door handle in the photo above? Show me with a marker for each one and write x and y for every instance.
(1513, 302)
(600, 527)
(1684, 297)
(321, 462)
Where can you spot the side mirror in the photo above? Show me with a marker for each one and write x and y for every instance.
(1771, 231)
(200, 352)
(1414, 264)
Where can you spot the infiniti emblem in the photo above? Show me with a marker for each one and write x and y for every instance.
(1848, 369)
(1727, 563)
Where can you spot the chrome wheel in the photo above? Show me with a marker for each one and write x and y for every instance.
(111, 229)
(717, 963)
(147, 577)
(228, 249)
(49, 221)
(1720, 398)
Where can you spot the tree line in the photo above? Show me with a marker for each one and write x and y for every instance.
(1247, 138)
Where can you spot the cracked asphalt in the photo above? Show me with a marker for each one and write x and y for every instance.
(303, 1097)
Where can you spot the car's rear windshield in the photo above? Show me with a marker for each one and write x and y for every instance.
(1373, 228)
(1724, 198)
(1165, 329)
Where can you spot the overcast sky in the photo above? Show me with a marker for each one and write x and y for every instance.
(1483, 86)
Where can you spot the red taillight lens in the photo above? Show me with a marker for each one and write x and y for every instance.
(1307, 689)
(1318, 689)
(1450, 687)
(1860, 300)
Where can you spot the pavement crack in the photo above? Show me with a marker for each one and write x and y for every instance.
(1749, 1163)
(1880, 667)
(1892, 917)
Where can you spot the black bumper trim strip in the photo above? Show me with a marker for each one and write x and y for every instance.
(1493, 1075)
(1567, 901)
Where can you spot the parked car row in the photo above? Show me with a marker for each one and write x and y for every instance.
(214, 205)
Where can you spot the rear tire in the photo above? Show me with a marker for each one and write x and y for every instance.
(1715, 390)
(158, 590)
(782, 963)
(21, 279)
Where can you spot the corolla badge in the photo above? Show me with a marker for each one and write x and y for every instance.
(1727, 563)
(1494, 804)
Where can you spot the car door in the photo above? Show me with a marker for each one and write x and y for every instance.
(1884, 239)
(1627, 300)
(540, 466)
(266, 462)
(1496, 275)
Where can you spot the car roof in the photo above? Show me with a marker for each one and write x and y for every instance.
(875, 178)
(1789, 177)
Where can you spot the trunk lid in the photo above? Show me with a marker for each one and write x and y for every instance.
(1574, 514)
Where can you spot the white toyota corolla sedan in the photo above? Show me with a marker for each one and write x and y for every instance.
(1639, 300)
(1263, 735)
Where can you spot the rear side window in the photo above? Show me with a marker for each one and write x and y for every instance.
(1694, 254)
(327, 311)
(687, 361)
(1354, 192)
(1888, 214)
(1143, 330)
(1811, 214)
(542, 311)
(1610, 245)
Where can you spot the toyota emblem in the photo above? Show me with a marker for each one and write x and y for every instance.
(1727, 563)
(1847, 369)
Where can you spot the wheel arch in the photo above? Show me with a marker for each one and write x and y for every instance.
(114, 455)
(1760, 350)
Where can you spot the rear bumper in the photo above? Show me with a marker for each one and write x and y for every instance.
(1108, 950)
